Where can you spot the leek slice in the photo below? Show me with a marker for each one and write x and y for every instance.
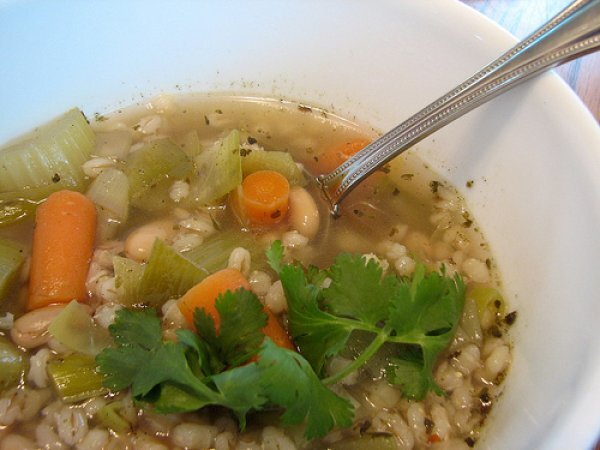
(151, 171)
(74, 378)
(75, 329)
(213, 254)
(51, 156)
(281, 162)
(166, 275)
(12, 255)
(219, 170)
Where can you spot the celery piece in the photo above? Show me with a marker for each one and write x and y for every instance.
(109, 416)
(152, 170)
(52, 155)
(75, 329)
(214, 252)
(110, 191)
(166, 275)
(13, 364)
(218, 170)
(12, 255)
(74, 378)
(281, 162)
(128, 275)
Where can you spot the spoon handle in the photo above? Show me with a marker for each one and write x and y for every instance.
(575, 31)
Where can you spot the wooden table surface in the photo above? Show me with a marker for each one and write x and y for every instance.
(521, 17)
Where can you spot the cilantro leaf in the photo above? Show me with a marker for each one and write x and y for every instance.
(317, 334)
(417, 316)
(241, 390)
(241, 320)
(359, 290)
(290, 382)
(137, 328)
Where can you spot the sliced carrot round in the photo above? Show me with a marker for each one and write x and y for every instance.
(262, 199)
(276, 332)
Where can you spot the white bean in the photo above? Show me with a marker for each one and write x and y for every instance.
(31, 329)
(303, 212)
(140, 241)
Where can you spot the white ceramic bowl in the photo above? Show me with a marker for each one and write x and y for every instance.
(534, 154)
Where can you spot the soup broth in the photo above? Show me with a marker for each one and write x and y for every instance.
(180, 220)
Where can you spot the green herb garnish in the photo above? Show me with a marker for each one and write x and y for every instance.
(199, 369)
(418, 315)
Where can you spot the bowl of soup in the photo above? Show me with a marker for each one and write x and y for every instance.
(173, 278)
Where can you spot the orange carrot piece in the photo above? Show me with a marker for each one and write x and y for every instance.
(205, 293)
(262, 199)
(334, 156)
(276, 332)
(63, 242)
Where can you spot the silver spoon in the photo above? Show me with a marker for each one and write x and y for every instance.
(572, 33)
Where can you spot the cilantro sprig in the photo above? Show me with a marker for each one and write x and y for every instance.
(204, 369)
(418, 315)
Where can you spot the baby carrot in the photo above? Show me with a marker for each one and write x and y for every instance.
(262, 198)
(205, 293)
(336, 155)
(63, 242)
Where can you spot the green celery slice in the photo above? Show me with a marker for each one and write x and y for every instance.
(50, 156)
(109, 416)
(74, 378)
(281, 162)
(167, 275)
(14, 363)
(128, 275)
(12, 255)
(152, 170)
(76, 330)
(213, 254)
(218, 171)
